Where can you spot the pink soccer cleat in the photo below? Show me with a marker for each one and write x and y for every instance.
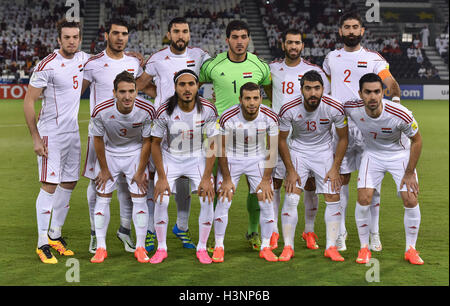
(203, 257)
(159, 256)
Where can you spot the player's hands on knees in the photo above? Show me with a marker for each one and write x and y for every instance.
(226, 190)
(409, 179)
(291, 180)
(40, 148)
(266, 190)
(141, 181)
(206, 189)
(161, 187)
(102, 178)
(335, 179)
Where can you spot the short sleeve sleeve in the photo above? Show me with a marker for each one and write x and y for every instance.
(159, 126)
(409, 129)
(147, 127)
(40, 79)
(96, 127)
(285, 121)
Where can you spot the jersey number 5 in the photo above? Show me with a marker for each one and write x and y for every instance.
(75, 82)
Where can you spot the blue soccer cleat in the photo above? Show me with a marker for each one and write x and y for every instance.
(150, 241)
(185, 237)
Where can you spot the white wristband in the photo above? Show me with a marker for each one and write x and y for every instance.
(396, 99)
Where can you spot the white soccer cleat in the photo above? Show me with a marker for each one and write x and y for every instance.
(127, 242)
(93, 244)
(375, 243)
(340, 242)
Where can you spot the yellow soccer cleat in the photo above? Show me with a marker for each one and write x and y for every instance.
(45, 255)
(60, 245)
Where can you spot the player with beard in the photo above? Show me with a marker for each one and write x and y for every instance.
(286, 75)
(228, 71)
(56, 136)
(345, 67)
(311, 119)
(160, 69)
(100, 72)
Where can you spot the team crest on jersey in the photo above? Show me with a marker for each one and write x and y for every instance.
(247, 75)
(137, 125)
(386, 130)
(324, 121)
(190, 63)
(362, 64)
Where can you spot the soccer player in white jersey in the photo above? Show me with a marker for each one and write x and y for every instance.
(56, 139)
(345, 67)
(246, 129)
(185, 121)
(126, 123)
(286, 75)
(160, 69)
(310, 152)
(386, 127)
(100, 72)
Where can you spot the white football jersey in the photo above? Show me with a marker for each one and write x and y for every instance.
(389, 132)
(346, 69)
(164, 64)
(124, 132)
(61, 79)
(311, 131)
(247, 138)
(183, 133)
(101, 70)
(286, 81)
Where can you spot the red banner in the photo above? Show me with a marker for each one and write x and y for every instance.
(13, 91)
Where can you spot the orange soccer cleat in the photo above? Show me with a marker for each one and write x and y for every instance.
(268, 255)
(274, 240)
(413, 256)
(218, 254)
(287, 254)
(333, 253)
(141, 255)
(310, 239)
(364, 256)
(100, 255)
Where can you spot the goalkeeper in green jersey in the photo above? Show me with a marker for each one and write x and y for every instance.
(228, 71)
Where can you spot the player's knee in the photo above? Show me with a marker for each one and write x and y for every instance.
(49, 188)
(68, 185)
(410, 201)
(277, 183)
(310, 184)
(266, 213)
(290, 204)
(364, 199)
(330, 197)
(345, 178)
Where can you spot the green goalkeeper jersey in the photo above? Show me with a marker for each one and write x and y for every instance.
(228, 77)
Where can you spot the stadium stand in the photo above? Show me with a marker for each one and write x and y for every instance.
(27, 30)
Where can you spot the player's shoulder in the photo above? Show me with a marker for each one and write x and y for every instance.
(102, 107)
(335, 52)
(47, 62)
(310, 65)
(219, 58)
(268, 112)
(162, 110)
(146, 106)
(290, 105)
(130, 57)
(397, 111)
(158, 55)
(197, 50)
(230, 113)
(209, 106)
(276, 64)
(353, 104)
(256, 59)
(333, 104)
(372, 54)
(95, 60)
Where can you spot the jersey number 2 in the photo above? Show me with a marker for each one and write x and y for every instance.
(348, 73)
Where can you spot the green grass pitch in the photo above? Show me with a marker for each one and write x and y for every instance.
(19, 265)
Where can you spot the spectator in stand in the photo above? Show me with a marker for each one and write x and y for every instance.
(425, 36)
(422, 71)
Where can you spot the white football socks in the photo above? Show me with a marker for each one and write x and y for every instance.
(311, 202)
(91, 194)
(221, 221)
(125, 205)
(151, 206)
(43, 212)
(161, 221)
(61, 207)
(102, 216)
(362, 218)
(333, 216)
(344, 202)
(412, 224)
(375, 213)
(205, 220)
(266, 222)
(289, 218)
(140, 219)
(276, 207)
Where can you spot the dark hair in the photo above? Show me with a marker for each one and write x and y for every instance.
(124, 76)
(350, 15)
(177, 20)
(311, 76)
(236, 25)
(293, 32)
(116, 21)
(249, 86)
(67, 24)
(173, 100)
(369, 78)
